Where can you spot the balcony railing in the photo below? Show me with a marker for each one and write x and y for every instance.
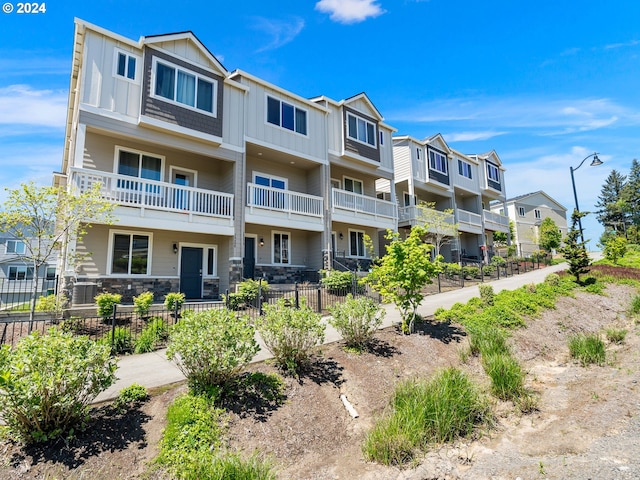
(469, 218)
(355, 202)
(412, 215)
(495, 221)
(276, 199)
(139, 192)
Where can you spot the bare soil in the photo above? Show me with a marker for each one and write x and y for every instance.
(587, 425)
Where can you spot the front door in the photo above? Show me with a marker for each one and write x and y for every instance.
(249, 257)
(191, 272)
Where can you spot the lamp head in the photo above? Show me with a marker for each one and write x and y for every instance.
(596, 161)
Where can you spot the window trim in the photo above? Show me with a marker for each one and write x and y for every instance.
(116, 162)
(537, 213)
(491, 167)
(353, 180)
(356, 139)
(364, 247)
(198, 76)
(406, 196)
(273, 247)
(296, 109)
(433, 165)
(15, 242)
(465, 166)
(112, 234)
(26, 268)
(521, 211)
(137, 69)
(48, 277)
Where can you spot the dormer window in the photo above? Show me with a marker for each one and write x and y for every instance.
(184, 87)
(287, 116)
(437, 162)
(493, 173)
(361, 130)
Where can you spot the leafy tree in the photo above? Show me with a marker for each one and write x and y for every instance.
(440, 231)
(611, 202)
(46, 219)
(631, 194)
(403, 271)
(574, 250)
(615, 249)
(502, 238)
(550, 236)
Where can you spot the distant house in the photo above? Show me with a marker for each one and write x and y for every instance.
(527, 212)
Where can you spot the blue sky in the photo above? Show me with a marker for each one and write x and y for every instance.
(544, 83)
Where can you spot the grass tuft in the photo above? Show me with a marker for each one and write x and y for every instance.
(588, 349)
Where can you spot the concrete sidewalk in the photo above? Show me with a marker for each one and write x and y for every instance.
(155, 370)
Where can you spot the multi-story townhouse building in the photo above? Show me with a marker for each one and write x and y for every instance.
(527, 213)
(430, 171)
(216, 175)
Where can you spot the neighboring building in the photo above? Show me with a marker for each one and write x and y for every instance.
(217, 175)
(432, 172)
(527, 212)
(16, 274)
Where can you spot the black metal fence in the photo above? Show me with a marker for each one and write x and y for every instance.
(16, 293)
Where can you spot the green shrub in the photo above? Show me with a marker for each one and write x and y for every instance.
(426, 412)
(471, 272)
(615, 249)
(357, 319)
(451, 269)
(337, 282)
(507, 377)
(130, 396)
(142, 303)
(488, 341)
(154, 333)
(119, 340)
(211, 347)
(498, 261)
(51, 303)
(290, 334)
(71, 324)
(615, 335)
(174, 300)
(48, 381)
(488, 270)
(552, 279)
(247, 294)
(106, 302)
(589, 349)
(634, 308)
(486, 294)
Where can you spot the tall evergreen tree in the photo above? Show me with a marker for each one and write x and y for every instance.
(611, 203)
(631, 193)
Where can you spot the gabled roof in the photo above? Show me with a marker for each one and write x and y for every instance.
(437, 140)
(531, 194)
(363, 96)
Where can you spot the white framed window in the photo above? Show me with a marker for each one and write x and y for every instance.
(335, 183)
(361, 130)
(20, 272)
(537, 213)
(521, 211)
(281, 248)
(464, 168)
(418, 153)
(493, 173)
(408, 198)
(15, 246)
(211, 261)
(286, 115)
(129, 253)
(381, 138)
(437, 162)
(136, 163)
(184, 87)
(356, 243)
(267, 197)
(50, 273)
(125, 65)
(353, 185)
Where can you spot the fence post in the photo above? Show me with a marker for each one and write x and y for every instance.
(113, 325)
(353, 285)
(175, 312)
(226, 298)
(260, 296)
(482, 273)
(498, 269)
(439, 286)
(297, 295)
(319, 292)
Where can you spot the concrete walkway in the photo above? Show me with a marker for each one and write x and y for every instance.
(155, 370)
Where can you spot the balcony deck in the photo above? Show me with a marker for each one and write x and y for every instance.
(357, 209)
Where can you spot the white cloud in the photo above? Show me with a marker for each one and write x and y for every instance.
(23, 105)
(280, 31)
(471, 136)
(631, 43)
(350, 11)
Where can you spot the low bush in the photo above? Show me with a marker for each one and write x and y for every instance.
(615, 335)
(552, 279)
(451, 269)
(488, 270)
(155, 333)
(507, 377)
(173, 301)
(357, 319)
(588, 349)
(119, 340)
(337, 282)
(488, 341)
(290, 334)
(426, 412)
(247, 294)
(142, 303)
(130, 397)
(48, 381)
(51, 303)
(106, 301)
(486, 294)
(211, 347)
(471, 272)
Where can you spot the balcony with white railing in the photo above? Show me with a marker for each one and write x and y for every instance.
(284, 208)
(358, 209)
(469, 222)
(411, 215)
(154, 204)
(495, 221)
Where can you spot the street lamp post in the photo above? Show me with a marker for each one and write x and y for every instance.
(596, 161)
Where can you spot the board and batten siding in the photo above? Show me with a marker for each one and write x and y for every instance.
(401, 162)
(100, 88)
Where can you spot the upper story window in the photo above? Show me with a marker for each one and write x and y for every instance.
(287, 116)
(493, 173)
(185, 87)
(521, 211)
(15, 246)
(410, 200)
(139, 164)
(381, 138)
(352, 185)
(361, 130)
(464, 169)
(437, 162)
(125, 65)
(418, 153)
(537, 213)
